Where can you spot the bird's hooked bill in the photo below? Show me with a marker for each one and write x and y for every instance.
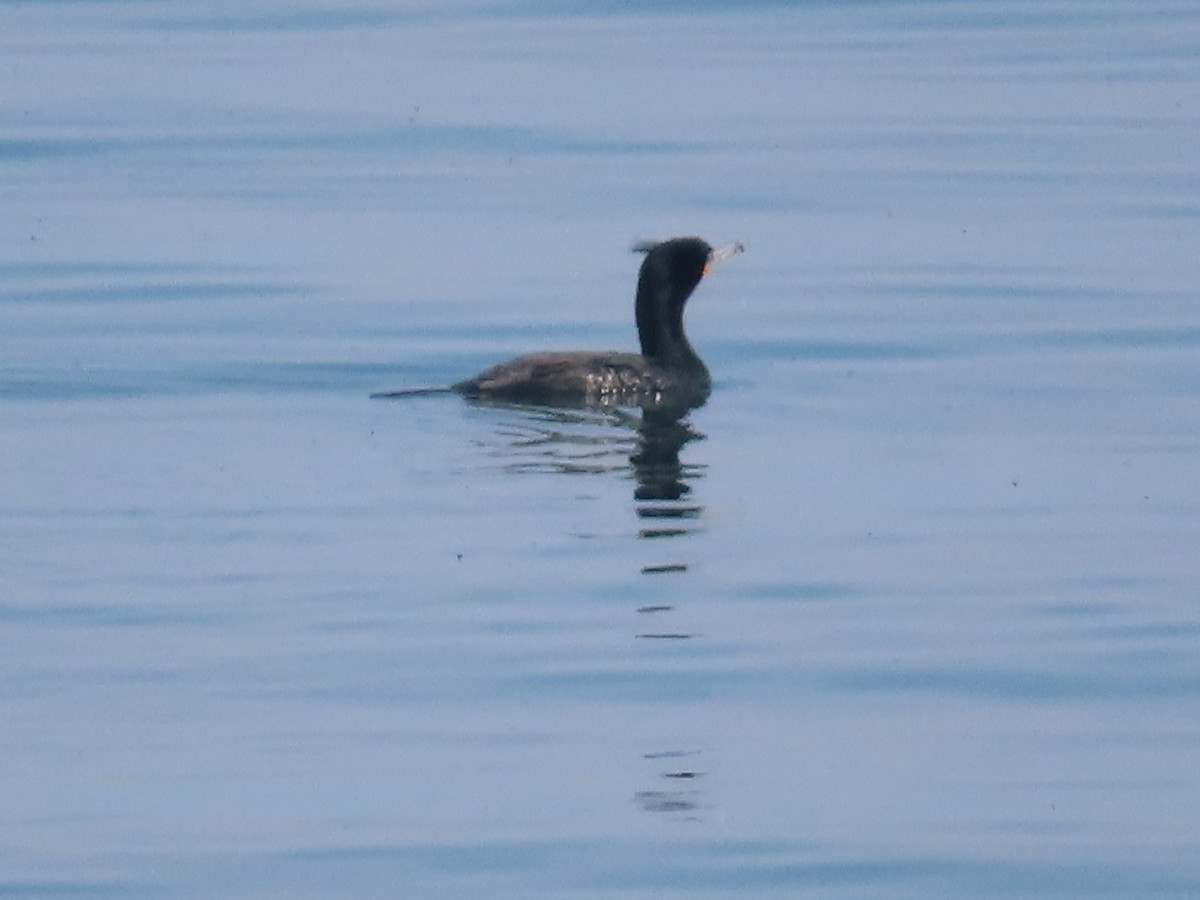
(718, 255)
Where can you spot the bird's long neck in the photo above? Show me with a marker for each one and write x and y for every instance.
(659, 312)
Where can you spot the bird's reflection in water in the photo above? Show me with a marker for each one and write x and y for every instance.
(683, 795)
(664, 506)
(656, 465)
(565, 440)
(662, 480)
(647, 444)
(662, 498)
(596, 440)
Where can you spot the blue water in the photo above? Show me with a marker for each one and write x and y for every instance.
(909, 609)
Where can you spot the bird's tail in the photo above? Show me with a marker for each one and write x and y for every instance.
(411, 392)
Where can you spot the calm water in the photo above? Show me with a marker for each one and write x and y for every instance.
(910, 609)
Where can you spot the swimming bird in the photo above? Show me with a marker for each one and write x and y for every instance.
(667, 371)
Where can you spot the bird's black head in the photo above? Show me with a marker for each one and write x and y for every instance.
(673, 267)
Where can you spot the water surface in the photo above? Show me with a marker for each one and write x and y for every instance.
(908, 609)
